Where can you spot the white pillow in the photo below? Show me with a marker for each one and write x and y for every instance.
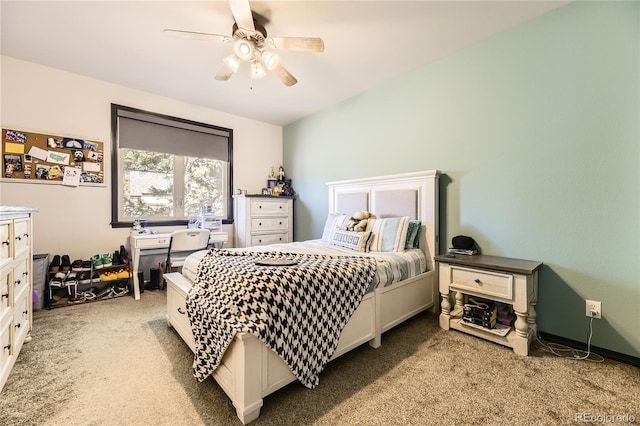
(333, 223)
(388, 234)
(350, 239)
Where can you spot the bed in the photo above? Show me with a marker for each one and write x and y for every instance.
(249, 370)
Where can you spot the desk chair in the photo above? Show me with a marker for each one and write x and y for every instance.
(184, 242)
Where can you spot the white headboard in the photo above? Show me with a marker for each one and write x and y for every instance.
(408, 194)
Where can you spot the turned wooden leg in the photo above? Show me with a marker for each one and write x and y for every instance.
(445, 310)
(521, 340)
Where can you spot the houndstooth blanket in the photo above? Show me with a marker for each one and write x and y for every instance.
(299, 311)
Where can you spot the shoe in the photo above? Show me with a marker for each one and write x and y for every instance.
(116, 258)
(104, 293)
(124, 255)
(123, 274)
(66, 263)
(84, 278)
(71, 279)
(108, 276)
(86, 265)
(76, 265)
(107, 259)
(55, 264)
(58, 279)
(96, 261)
(95, 277)
(120, 290)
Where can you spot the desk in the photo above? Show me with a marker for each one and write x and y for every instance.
(149, 244)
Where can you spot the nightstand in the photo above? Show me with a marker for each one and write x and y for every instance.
(510, 281)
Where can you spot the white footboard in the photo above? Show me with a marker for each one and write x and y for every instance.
(268, 372)
(250, 370)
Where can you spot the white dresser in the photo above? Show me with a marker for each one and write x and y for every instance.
(262, 220)
(16, 284)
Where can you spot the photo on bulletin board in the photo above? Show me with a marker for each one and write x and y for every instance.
(42, 158)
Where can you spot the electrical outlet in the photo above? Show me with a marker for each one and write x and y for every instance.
(594, 309)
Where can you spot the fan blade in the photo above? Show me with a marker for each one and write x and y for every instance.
(307, 44)
(285, 76)
(225, 72)
(198, 36)
(241, 11)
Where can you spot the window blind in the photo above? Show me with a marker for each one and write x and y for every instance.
(157, 133)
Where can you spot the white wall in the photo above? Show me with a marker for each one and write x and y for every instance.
(76, 221)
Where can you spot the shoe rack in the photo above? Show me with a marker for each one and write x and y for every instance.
(102, 277)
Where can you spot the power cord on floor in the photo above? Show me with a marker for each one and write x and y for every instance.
(572, 353)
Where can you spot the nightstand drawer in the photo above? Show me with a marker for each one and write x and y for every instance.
(482, 282)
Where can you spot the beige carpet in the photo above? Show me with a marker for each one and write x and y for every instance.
(117, 362)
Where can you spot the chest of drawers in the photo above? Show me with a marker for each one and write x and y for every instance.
(16, 286)
(262, 220)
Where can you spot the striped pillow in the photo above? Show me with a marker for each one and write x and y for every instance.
(350, 239)
(388, 234)
(333, 223)
(413, 234)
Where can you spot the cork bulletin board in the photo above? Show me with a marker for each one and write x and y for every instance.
(42, 158)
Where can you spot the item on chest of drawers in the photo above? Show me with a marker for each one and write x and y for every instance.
(463, 245)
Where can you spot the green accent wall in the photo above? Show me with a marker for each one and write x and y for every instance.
(537, 133)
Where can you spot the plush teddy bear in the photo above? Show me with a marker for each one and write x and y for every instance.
(358, 222)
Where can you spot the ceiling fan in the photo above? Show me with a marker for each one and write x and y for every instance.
(251, 44)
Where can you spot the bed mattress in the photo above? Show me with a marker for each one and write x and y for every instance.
(391, 266)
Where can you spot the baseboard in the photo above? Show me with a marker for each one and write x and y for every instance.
(616, 356)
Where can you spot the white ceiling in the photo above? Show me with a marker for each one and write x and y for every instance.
(366, 44)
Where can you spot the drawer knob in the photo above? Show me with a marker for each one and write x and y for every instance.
(259, 241)
(5, 295)
(260, 206)
(280, 223)
(18, 238)
(281, 207)
(259, 223)
(280, 238)
(7, 347)
(180, 311)
(17, 282)
(18, 325)
(5, 242)
(25, 312)
(477, 280)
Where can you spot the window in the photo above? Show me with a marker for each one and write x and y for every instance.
(166, 170)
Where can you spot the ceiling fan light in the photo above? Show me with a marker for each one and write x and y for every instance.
(257, 70)
(270, 59)
(244, 49)
(232, 62)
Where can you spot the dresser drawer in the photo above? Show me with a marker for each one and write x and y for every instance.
(269, 224)
(20, 278)
(269, 208)
(5, 295)
(20, 323)
(5, 345)
(482, 282)
(21, 237)
(261, 240)
(5, 243)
